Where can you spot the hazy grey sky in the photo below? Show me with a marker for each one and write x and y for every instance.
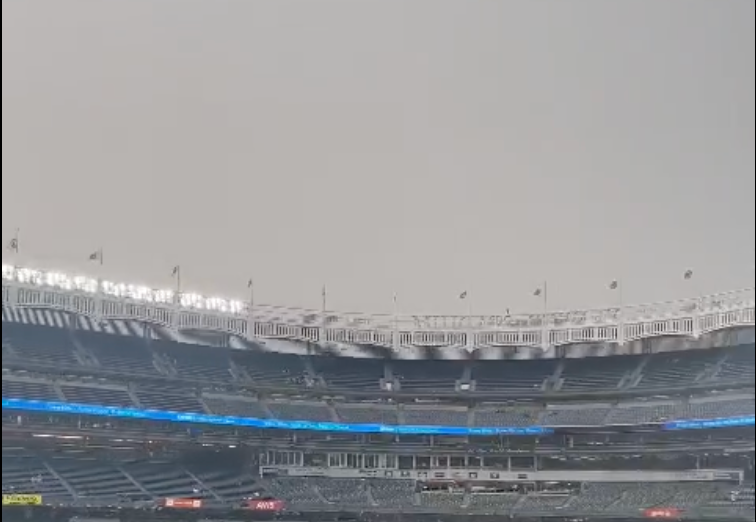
(427, 146)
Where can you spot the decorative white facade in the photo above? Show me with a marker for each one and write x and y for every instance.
(27, 292)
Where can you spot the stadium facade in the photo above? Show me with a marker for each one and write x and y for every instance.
(121, 401)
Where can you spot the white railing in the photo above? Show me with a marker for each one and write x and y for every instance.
(105, 300)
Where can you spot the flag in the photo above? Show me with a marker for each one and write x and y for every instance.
(614, 285)
(97, 256)
(13, 245)
(688, 275)
(538, 292)
(250, 284)
(176, 271)
(463, 295)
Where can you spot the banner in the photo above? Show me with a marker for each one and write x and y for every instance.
(183, 503)
(662, 513)
(22, 500)
(274, 506)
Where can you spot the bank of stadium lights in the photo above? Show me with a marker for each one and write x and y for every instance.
(7, 273)
(88, 285)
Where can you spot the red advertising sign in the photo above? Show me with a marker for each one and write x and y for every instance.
(662, 513)
(265, 505)
(183, 503)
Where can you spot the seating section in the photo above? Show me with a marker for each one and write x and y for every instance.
(172, 397)
(438, 416)
(576, 416)
(639, 414)
(97, 395)
(123, 371)
(400, 494)
(744, 497)
(168, 398)
(512, 376)
(367, 414)
(196, 362)
(115, 353)
(422, 376)
(268, 369)
(679, 369)
(298, 492)
(60, 365)
(505, 415)
(340, 373)
(341, 492)
(51, 347)
(25, 473)
(443, 501)
(309, 411)
(235, 407)
(739, 365)
(63, 348)
(32, 390)
(66, 479)
(493, 503)
(98, 479)
(544, 503)
(581, 375)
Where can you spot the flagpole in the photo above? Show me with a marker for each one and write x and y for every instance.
(698, 300)
(324, 314)
(396, 340)
(618, 286)
(98, 256)
(471, 333)
(251, 328)
(177, 277)
(544, 293)
(546, 336)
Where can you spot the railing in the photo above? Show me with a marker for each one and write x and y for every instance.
(103, 300)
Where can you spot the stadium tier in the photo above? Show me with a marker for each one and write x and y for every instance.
(119, 397)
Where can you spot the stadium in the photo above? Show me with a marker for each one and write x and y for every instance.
(128, 403)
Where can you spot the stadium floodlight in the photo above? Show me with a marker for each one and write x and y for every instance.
(8, 272)
(140, 293)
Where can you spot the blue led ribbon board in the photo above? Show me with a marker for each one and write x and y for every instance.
(295, 425)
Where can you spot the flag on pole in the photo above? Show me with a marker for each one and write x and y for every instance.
(97, 256)
(251, 289)
(688, 275)
(614, 285)
(463, 295)
(14, 244)
(176, 274)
